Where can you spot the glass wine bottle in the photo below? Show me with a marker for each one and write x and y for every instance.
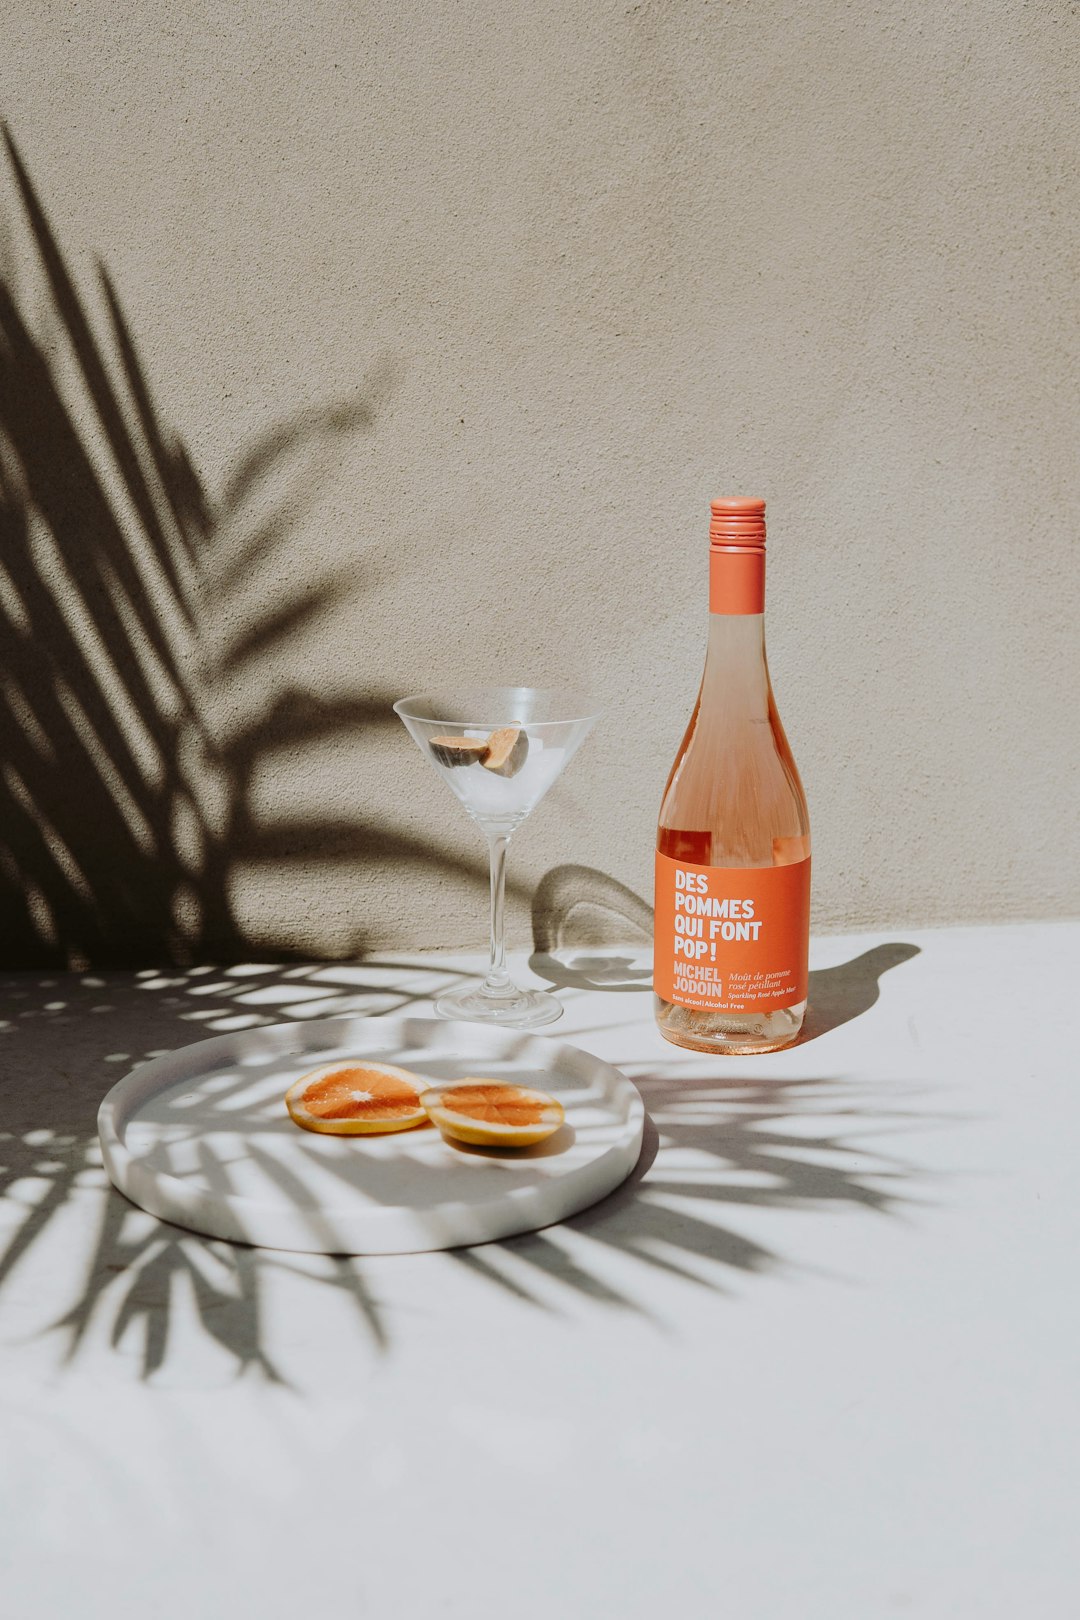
(733, 843)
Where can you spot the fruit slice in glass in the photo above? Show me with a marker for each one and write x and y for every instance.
(499, 749)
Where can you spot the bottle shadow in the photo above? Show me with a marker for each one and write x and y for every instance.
(839, 994)
(590, 932)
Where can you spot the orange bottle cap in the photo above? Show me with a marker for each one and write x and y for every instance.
(737, 522)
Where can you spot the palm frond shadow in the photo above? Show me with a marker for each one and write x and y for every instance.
(732, 1145)
(110, 542)
(138, 1267)
(114, 556)
(718, 1149)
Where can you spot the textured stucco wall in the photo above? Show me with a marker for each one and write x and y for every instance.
(434, 327)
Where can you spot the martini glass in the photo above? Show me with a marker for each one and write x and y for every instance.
(499, 749)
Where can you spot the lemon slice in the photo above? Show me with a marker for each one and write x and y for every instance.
(355, 1097)
(492, 1113)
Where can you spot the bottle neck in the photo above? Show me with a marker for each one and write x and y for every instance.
(736, 580)
(736, 680)
(735, 683)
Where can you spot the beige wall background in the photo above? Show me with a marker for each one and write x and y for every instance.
(348, 349)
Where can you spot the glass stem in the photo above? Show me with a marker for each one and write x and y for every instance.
(498, 981)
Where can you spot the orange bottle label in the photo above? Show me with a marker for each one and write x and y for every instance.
(731, 938)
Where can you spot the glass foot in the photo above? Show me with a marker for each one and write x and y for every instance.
(518, 1009)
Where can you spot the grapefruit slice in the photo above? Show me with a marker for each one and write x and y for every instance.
(355, 1097)
(492, 1113)
(459, 750)
(507, 751)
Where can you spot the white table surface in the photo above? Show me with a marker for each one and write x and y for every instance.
(818, 1361)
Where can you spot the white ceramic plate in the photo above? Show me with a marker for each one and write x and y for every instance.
(202, 1138)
